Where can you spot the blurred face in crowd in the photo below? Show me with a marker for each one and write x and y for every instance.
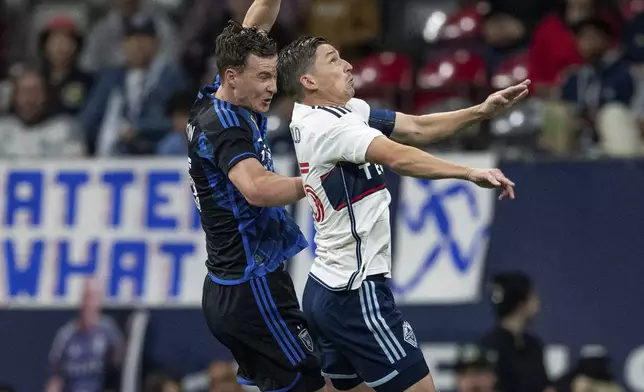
(578, 10)
(171, 387)
(256, 83)
(60, 49)
(531, 306)
(126, 7)
(180, 120)
(475, 379)
(91, 303)
(140, 50)
(330, 77)
(592, 44)
(223, 378)
(30, 97)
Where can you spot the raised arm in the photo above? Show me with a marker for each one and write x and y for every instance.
(262, 14)
(352, 140)
(412, 162)
(422, 130)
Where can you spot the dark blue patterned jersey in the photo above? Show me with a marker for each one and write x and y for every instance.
(243, 241)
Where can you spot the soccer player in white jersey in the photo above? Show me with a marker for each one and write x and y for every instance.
(342, 145)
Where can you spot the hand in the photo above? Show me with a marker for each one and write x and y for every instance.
(502, 100)
(492, 178)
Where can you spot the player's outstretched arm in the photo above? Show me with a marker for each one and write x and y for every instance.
(262, 14)
(263, 188)
(422, 130)
(412, 162)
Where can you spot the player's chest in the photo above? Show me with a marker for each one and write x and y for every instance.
(257, 125)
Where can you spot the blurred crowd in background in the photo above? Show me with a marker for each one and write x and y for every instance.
(117, 77)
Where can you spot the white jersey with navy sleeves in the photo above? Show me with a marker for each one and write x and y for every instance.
(348, 197)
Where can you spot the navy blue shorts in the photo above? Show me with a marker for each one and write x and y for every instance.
(362, 336)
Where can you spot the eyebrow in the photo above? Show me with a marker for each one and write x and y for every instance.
(330, 52)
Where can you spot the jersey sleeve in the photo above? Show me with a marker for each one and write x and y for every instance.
(383, 120)
(347, 141)
(229, 147)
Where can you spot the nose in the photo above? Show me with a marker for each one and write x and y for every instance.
(349, 66)
(272, 86)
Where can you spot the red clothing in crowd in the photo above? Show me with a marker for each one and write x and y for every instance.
(553, 49)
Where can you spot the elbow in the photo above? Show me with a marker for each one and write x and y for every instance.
(256, 198)
(400, 165)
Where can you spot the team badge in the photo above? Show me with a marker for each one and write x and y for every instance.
(306, 339)
(408, 335)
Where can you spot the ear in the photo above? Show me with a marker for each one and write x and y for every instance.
(308, 82)
(230, 77)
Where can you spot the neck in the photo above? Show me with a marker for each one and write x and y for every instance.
(515, 324)
(224, 93)
(57, 74)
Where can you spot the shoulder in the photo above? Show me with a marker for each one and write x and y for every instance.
(65, 333)
(359, 106)
(214, 117)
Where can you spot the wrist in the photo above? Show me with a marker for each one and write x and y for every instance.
(478, 113)
(468, 174)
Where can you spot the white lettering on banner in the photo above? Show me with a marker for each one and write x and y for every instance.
(131, 222)
(442, 231)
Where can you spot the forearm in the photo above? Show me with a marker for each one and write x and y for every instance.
(275, 190)
(416, 163)
(262, 14)
(433, 127)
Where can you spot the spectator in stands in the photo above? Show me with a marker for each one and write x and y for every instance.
(223, 378)
(158, 382)
(634, 44)
(60, 45)
(178, 109)
(508, 27)
(86, 348)
(475, 369)
(30, 130)
(601, 90)
(553, 48)
(104, 47)
(591, 373)
(520, 366)
(126, 112)
(351, 25)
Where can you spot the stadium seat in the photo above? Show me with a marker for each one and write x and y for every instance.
(520, 125)
(380, 76)
(512, 70)
(453, 75)
(466, 24)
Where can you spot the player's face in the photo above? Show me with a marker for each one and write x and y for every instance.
(476, 380)
(332, 75)
(532, 306)
(257, 83)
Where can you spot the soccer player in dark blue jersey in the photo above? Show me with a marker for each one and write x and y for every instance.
(249, 301)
